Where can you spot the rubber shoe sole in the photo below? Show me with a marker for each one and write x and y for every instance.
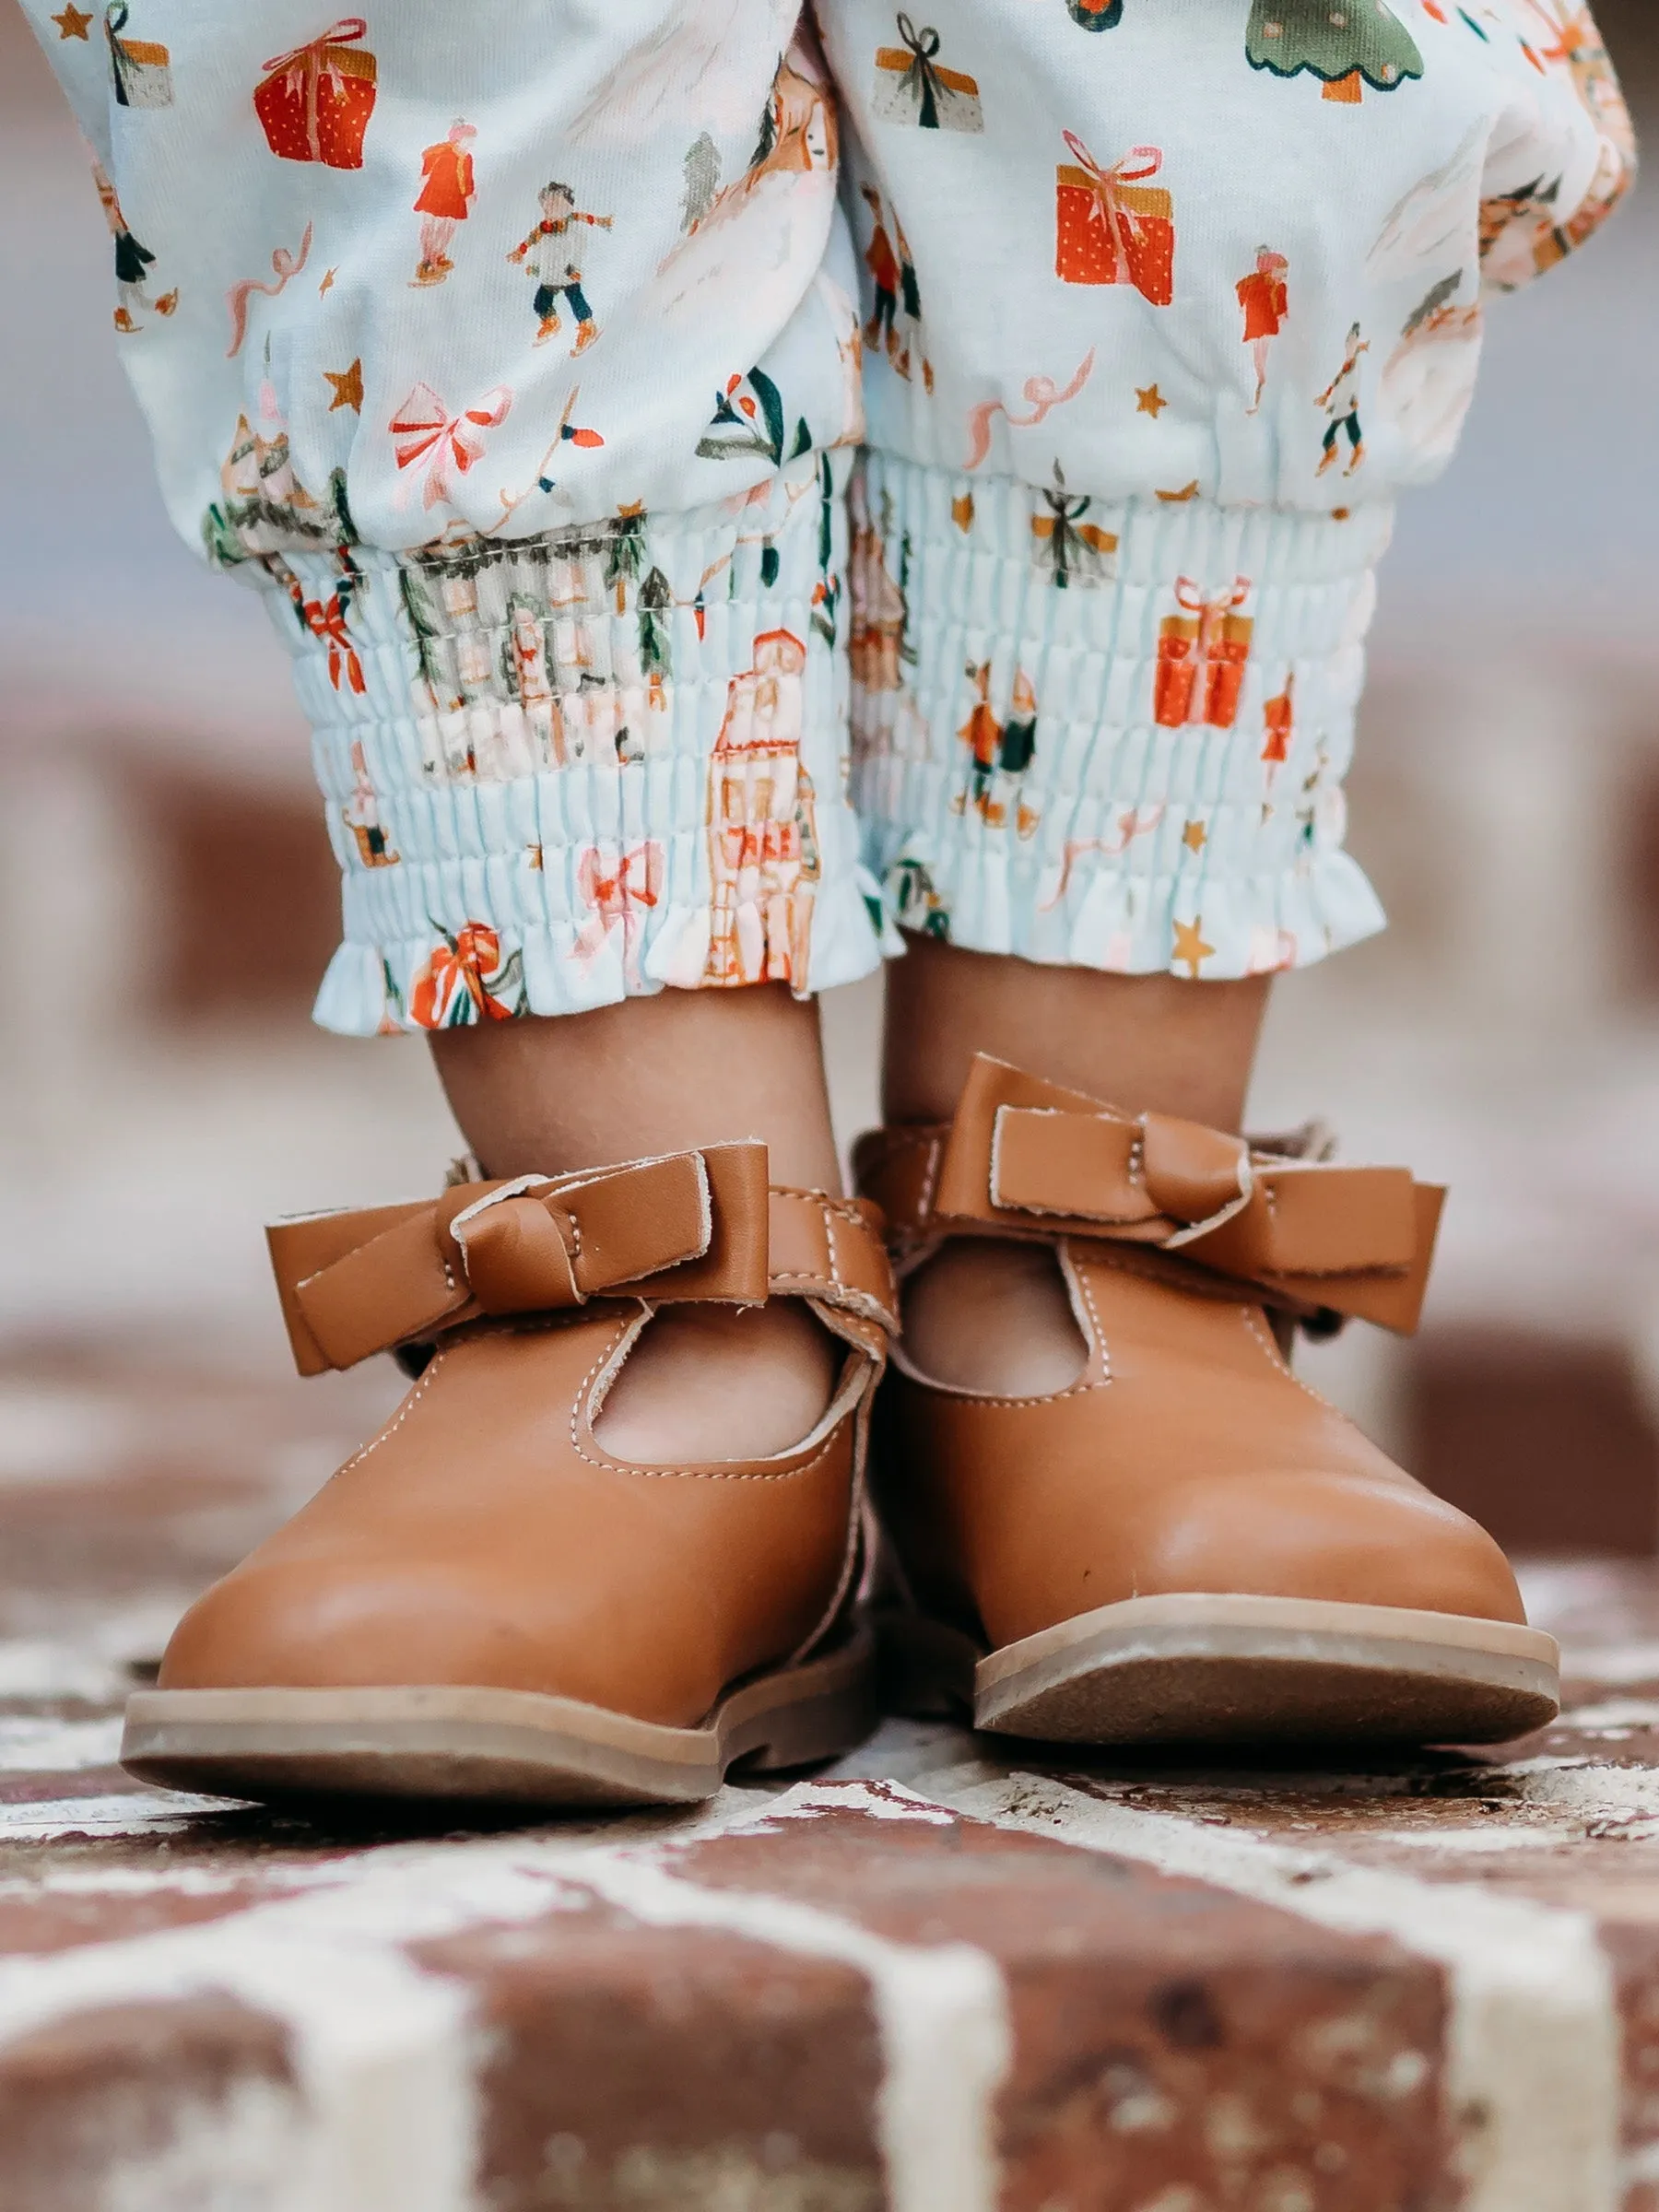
(492, 1746)
(1196, 1668)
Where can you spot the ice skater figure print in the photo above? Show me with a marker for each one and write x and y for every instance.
(883, 265)
(546, 254)
(132, 263)
(1340, 400)
(444, 200)
(893, 280)
(362, 816)
(1266, 302)
(992, 746)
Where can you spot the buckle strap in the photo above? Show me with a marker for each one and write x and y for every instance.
(1029, 1157)
(832, 1250)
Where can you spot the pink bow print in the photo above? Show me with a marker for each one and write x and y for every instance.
(619, 891)
(428, 436)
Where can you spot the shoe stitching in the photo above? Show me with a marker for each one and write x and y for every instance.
(847, 1208)
(1282, 1367)
(1052, 1397)
(930, 1177)
(1080, 1275)
(397, 1419)
(626, 1466)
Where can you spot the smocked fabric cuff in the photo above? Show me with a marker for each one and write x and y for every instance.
(567, 770)
(1109, 735)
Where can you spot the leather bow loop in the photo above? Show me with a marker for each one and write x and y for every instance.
(692, 1225)
(516, 1257)
(1191, 1173)
(1028, 1157)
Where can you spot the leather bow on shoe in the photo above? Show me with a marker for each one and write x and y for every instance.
(699, 1225)
(1028, 1157)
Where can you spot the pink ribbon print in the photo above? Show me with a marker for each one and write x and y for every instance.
(284, 266)
(440, 445)
(1043, 394)
(618, 890)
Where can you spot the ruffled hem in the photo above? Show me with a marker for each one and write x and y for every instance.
(1134, 924)
(481, 972)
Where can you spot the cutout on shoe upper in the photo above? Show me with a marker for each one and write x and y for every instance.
(993, 1317)
(708, 1384)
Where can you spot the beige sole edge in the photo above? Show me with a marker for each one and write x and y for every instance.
(1189, 1667)
(481, 1746)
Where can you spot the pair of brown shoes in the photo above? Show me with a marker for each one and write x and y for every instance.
(1185, 1544)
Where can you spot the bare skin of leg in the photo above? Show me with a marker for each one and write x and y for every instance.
(989, 1315)
(662, 1075)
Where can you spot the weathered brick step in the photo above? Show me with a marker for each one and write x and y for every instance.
(946, 1977)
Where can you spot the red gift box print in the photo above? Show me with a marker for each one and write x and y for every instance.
(314, 102)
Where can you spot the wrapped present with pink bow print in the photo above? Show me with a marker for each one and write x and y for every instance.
(1112, 226)
(1202, 654)
(314, 102)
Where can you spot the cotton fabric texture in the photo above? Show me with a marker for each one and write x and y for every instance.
(522, 354)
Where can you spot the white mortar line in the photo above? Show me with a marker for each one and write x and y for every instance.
(1533, 2041)
(941, 2010)
(133, 1812)
(32, 1744)
(384, 2050)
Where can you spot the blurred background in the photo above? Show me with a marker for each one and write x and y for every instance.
(169, 900)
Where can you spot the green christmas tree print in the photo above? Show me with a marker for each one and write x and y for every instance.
(1347, 44)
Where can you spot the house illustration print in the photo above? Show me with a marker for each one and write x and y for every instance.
(763, 850)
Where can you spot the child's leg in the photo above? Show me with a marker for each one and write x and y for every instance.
(663, 1074)
(991, 1315)
(1155, 1042)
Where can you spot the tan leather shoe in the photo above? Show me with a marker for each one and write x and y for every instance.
(1186, 1544)
(484, 1604)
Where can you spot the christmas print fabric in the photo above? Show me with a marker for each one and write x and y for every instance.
(523, 375)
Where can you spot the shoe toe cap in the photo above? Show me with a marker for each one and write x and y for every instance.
(295, 1626)
(1351, 1538)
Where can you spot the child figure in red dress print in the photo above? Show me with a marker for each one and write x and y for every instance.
(546, 254)
(444, 200)
(1265, 302)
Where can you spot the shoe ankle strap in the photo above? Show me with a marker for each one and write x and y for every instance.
(1026, 1157)
(689, 1226)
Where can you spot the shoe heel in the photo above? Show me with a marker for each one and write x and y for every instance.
(819, 1729)
(925, 1668)
(827, 1707)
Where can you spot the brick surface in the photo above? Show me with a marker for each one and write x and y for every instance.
(944, 1976)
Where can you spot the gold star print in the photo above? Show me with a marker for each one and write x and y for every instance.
(348, 386)
(1149, 402)
(961, 512)
(1190, 946)
(327, 283)
(1192, 837)
(1176, 499)
(73, 22)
